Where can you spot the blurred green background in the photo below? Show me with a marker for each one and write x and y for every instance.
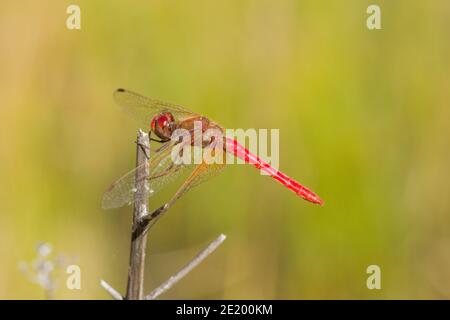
(363, 117)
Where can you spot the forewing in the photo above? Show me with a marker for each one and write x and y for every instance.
(143, 108)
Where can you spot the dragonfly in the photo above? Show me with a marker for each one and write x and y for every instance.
(162, 119)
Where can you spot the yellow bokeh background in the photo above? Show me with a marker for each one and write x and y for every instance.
(363, 118)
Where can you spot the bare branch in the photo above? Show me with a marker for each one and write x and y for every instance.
(135, 287)
(113, 292)
(188, 268)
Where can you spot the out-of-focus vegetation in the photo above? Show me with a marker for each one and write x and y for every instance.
(363, 117)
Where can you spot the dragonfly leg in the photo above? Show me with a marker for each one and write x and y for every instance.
(150, 149)
(164, 146)
(159, 141)
(147, 149)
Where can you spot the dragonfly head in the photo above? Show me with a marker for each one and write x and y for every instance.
(162, 125)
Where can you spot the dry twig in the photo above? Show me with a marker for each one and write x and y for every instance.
(116, 295)
(188, 268)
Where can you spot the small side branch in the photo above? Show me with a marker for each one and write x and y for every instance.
(113, 292)
(188, 268)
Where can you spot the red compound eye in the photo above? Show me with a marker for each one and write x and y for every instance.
(159, 121)
(161, 124)
(162, 121)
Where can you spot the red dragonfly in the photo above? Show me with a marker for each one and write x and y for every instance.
(164, 118)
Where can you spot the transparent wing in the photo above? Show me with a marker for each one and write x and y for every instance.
(200, 174)
(203, 173)
(143, 109)
(162, 171)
